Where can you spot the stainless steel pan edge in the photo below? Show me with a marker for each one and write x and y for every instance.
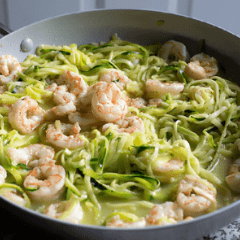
(138, 26)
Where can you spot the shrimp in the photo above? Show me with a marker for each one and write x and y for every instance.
(45, 183)
(65, 102)
(200, 91)
(51, 88)
(196, 196)
(117, 222)
(87, 98)
(201, 66)
(138, 102)
(64, 135)
(3, 174)
(108, 104)
(62, 96)
(115, 76)
(233, 177)
(33, 155)
(9, 66)
(74, 82)
(155, 102)
(60, 210)
(166, 213)
(60, 110)
(15, 196)
(25, 115)
(172, 165)
(155, 88)
(173, 51)
(130, 125)
(141, 102)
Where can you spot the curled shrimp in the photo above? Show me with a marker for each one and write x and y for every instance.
(64, 135)
(201, 66)
(128, 125)
(116, 76)
(67, 210)
(172, 165)
(9, 66)
(16, 194)
(173, 51)
(51, 88)
(65, 102)
(33, 155)
(196, 196)
(25, 115)
(86, 100)
(155, 102)
(196, 92)
(45, 183)
(108, 104)
(74, 82)
(3, 174)
(157, 88)
(60, 110)
(115, 221)
(233, 177)
(168, 171)
(62, 96)
(163, 214)
(137, 102)
(141, 102)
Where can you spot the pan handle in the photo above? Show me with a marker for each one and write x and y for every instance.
(4, 30)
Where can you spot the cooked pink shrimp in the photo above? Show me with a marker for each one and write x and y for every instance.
(45, 182)
(196, 196)
(116, 76)
(60, 110)
(115, 221)
(172, 165)
(9, 66)
(137, 102)
(64, 135)
(58, 210)
(163, 214)
(128, 125)
(25, 115)
(74, 82)
(62, 96)
(51, 88)
(33, 155)
(3, 174)
(155, 101)
(65, 102)
(201, 66)
(155, 88)
(198, 91)
(233, 177)
(86, 100)
(173, 51)
(108, 104)
(15, 196)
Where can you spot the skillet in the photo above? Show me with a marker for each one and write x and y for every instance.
(143, 27)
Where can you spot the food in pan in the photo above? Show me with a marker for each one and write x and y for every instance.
(118, 134)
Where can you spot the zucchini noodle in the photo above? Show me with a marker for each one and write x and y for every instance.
(119, 171)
